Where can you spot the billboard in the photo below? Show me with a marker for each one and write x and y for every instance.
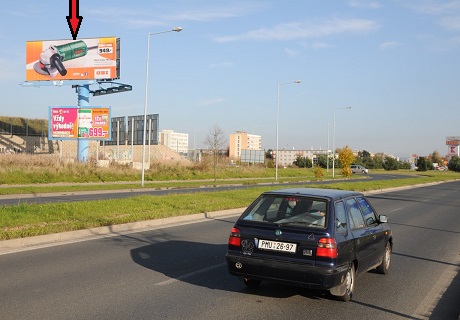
(118, 132)
(92, 123)
(252, 156)
(452, 150)
(83, 59)
(136, 129)
(453, 140)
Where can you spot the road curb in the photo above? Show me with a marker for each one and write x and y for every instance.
(30, 243)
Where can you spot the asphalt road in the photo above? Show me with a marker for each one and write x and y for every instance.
(118, 194)
(179, 272)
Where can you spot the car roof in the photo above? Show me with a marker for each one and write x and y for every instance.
(333, 194)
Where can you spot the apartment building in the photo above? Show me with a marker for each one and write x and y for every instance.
(243, 141)
(287, 157)
(175, 141)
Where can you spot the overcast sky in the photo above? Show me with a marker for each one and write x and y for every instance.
(396, 63)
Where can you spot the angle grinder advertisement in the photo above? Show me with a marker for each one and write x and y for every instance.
(84, 59)
(68, 123)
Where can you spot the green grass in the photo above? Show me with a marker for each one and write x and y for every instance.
(26, 220)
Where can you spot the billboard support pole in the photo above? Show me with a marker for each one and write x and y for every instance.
(83, 101)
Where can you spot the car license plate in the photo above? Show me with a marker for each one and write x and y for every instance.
(277, 246)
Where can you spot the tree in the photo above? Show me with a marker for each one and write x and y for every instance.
(390, 163)
(269, 159)
(377, 161)
(346, 158)
(299, 161)
(436, 158)
(454, 164)
(269, 154)
(215, 141)
(421, 164)
(322, 161)
(302, 162)
(404, 165)
(364, 158)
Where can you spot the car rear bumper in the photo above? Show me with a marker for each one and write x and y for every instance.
(294, 273)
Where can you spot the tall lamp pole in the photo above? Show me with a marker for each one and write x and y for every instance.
(177, 29)
(277, 126)
(333, 144)
(327, 158)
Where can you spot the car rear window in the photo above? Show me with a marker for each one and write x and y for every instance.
(304, 211)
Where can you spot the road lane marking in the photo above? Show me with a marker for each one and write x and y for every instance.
(428, 304)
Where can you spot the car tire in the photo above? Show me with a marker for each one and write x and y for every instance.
(350, 284)
(384, 267)
(251, 283)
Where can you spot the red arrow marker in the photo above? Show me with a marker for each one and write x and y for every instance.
(73, 19)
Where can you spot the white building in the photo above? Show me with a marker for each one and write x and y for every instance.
(175, 141)
(287, 157)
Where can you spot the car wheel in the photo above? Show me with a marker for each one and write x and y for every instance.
(251, 283)
(384, 267)
(349, 283)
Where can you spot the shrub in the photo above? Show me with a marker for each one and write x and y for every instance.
(302, 162)
(390, 164)
(318, 171)
(421, 164)
(454, 164)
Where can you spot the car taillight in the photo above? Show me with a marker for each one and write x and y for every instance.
(327, 247)
(235, 237)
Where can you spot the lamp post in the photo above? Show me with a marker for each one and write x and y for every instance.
(177, 29)
(327, 158)
(333, 144)
(277, 126)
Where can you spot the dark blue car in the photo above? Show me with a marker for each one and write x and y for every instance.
(316, 238)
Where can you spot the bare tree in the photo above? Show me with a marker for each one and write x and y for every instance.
(215, 141)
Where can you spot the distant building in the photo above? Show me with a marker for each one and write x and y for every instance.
(287, 157)
(243, 141)
(175, 141)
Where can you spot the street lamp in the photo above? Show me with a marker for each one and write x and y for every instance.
(327, 158)
(333, 144)
(277, 126)
(177, 29)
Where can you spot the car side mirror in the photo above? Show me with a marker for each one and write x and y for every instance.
(383, 218)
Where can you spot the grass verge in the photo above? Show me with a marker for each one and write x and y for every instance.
(26, 220)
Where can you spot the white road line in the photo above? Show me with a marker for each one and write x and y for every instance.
(192, 274)
(426, 307)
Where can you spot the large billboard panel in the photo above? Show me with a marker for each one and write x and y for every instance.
(136, 129)
(453, 140)
(118, 132)
(83, 59)
(252, 156)
(67, 123)
(453, 150)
